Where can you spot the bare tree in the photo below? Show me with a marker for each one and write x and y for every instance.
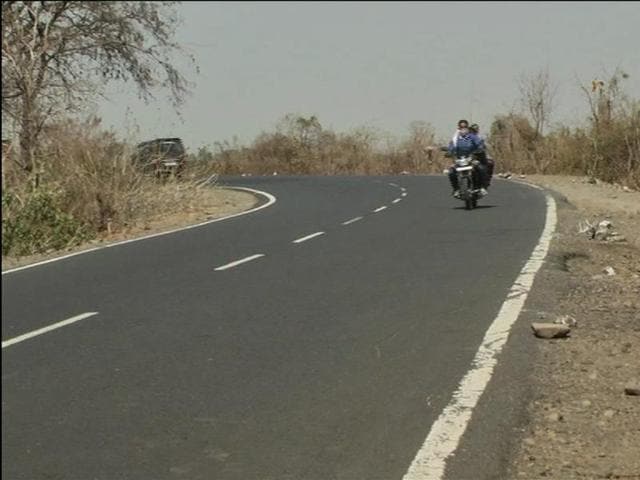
(537, 96)
(615, 126)
(419, 144)
(305, 131)
(58, 54)
(603, 97)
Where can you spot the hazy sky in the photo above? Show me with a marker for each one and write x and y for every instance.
(382, 64)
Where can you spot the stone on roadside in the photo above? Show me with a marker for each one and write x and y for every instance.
(627, 189)
(633, 387)
(616, 237)
(609, 413)
(555, 417)
(550, 330)
(603, 230)
(566, 320)
(609, 271)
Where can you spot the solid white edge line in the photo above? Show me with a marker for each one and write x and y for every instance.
(308, 237)
(270, 201)
(353, 220)
(393, 185)
(444, 436)
(379, 209)
(40, 331)
(239, 262)
(397, 200)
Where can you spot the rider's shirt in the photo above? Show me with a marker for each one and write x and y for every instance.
(465, 145)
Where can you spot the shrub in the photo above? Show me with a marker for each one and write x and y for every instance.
(37, 223)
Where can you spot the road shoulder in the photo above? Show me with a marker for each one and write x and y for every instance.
(578, 422)
(210, 204)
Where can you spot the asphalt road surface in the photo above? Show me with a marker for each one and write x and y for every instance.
(318, 338)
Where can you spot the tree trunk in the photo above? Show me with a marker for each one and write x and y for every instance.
(27, 135)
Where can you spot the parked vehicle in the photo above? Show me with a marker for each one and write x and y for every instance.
(162, 157)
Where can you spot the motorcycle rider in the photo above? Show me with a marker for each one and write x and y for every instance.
(465, 143)
(462, 124)
(482, 156)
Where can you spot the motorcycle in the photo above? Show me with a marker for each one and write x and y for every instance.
(464, 167)
(468, 193)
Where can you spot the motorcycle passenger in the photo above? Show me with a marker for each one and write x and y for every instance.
(463, 144)
(483, 157)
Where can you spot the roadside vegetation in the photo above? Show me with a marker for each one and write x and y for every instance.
(67, 180)
(604, 145)
(64, 180)
(85, 187)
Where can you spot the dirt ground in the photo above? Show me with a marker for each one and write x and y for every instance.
(581, 424)
(208, 204)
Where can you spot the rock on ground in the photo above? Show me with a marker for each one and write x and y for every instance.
(550, 330)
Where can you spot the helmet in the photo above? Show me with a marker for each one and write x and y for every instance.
(475, 128)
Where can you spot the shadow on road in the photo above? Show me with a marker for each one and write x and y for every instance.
(477, 208)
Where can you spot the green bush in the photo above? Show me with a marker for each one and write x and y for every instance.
(37, 223)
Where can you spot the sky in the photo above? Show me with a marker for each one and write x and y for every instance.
(378, 64)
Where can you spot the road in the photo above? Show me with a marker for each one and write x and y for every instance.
(318, 338)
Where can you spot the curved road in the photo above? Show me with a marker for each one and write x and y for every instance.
(329, 357)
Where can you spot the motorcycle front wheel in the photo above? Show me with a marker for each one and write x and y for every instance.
(467, 192)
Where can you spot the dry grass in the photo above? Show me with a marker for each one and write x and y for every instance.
(302, 146)
(605, 146)
(86, 181)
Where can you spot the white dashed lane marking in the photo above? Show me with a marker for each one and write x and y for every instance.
(49, 328)
(239, 262)
(308, 237)
(353, 220)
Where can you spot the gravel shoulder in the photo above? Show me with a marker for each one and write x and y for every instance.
(207, 204)
(580, 422)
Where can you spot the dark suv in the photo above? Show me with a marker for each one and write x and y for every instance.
(162, 157)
